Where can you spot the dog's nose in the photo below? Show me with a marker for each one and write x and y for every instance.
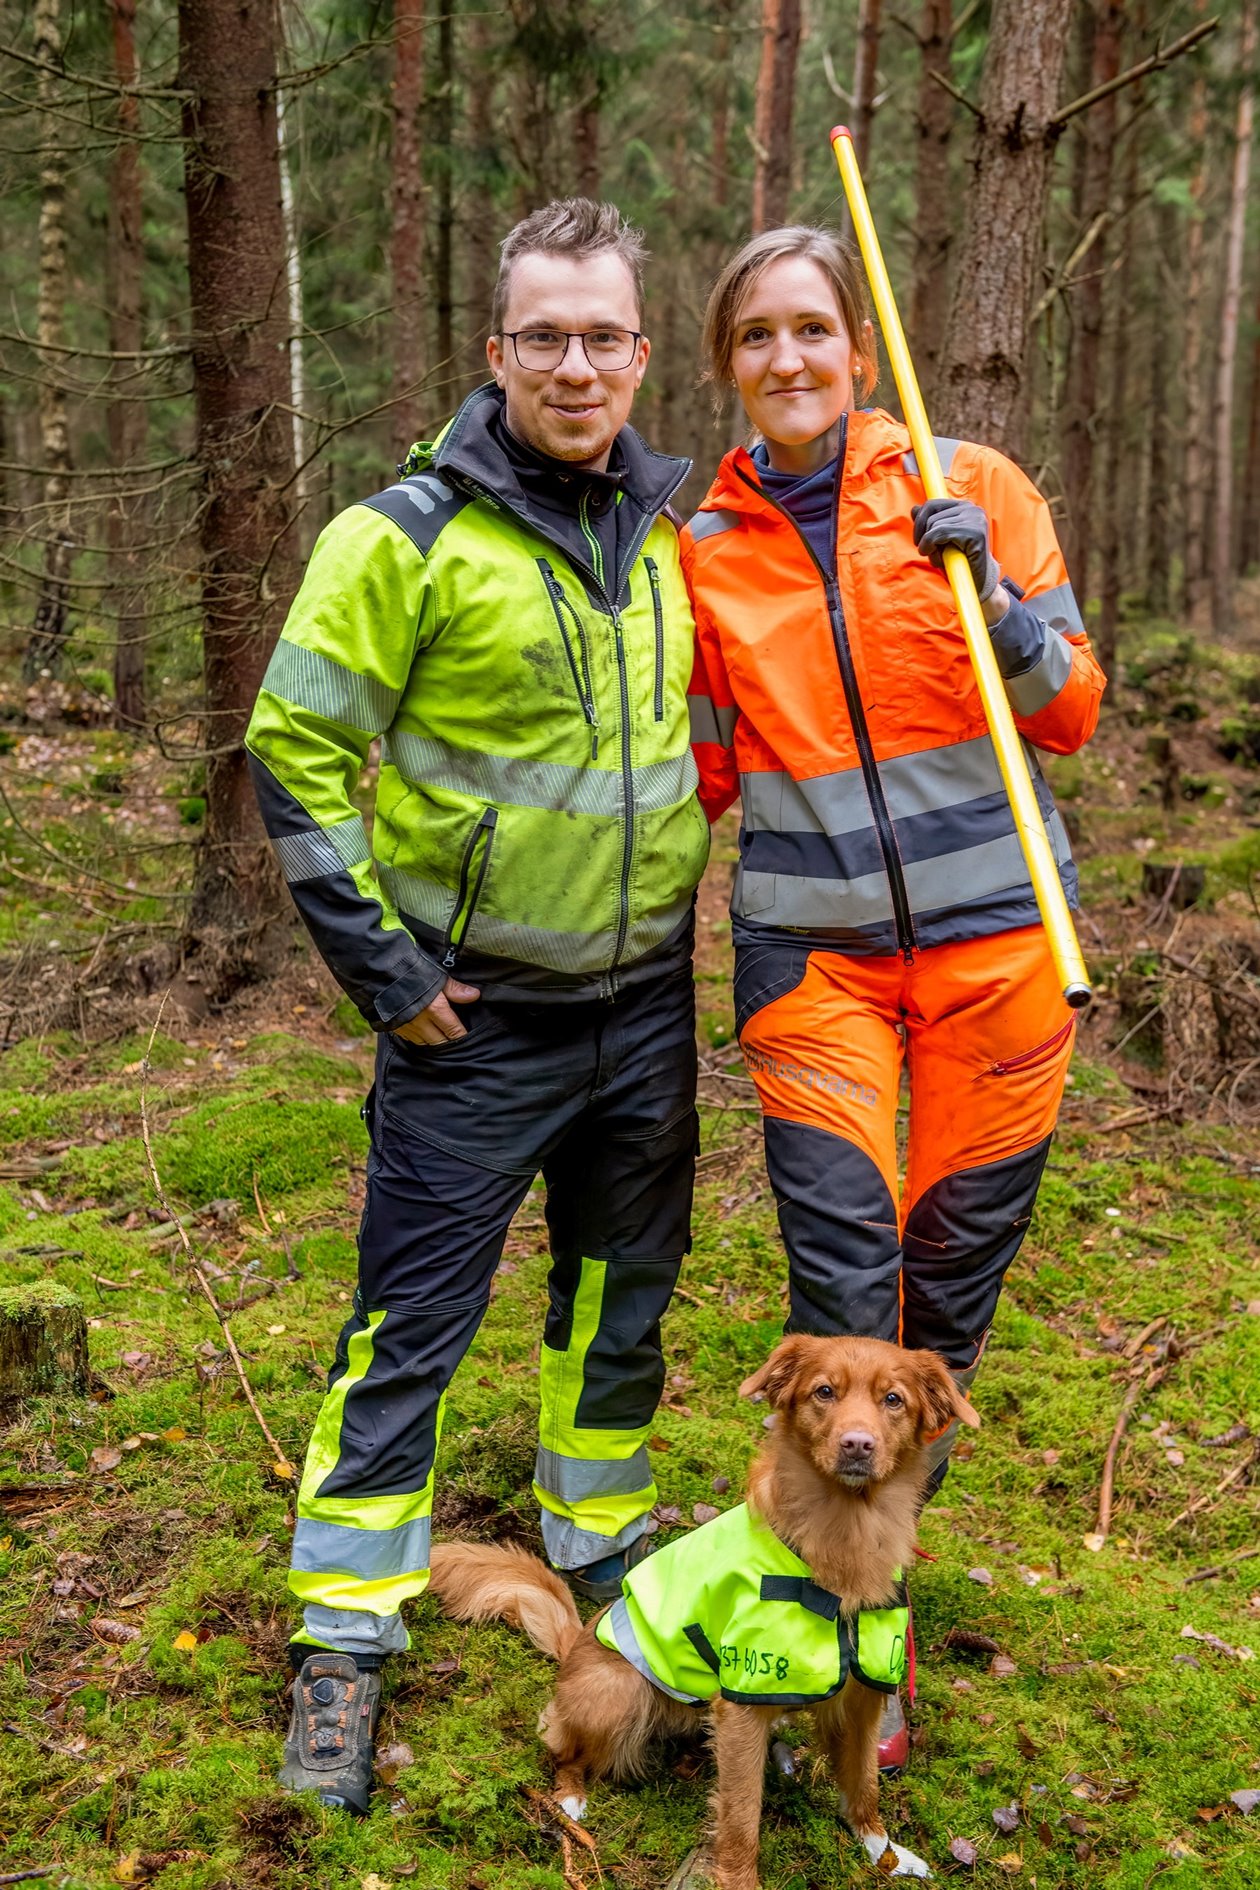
(857, 1445)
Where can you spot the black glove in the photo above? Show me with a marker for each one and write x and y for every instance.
(940, 523)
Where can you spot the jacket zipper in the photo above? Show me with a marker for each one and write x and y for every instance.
(658, 619)
(857, 716)
(466, 902)
(627, 788)
(582, 678)
(1041, 1052)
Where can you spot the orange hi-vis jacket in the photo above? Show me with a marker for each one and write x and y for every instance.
(841, 706)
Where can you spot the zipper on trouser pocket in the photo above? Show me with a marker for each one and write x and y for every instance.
(472, 877)
(1040, 1053)
(581, 676)
(857, 716)
(658, 619)
(627, 785)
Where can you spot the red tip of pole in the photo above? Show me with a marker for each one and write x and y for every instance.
(841, 131)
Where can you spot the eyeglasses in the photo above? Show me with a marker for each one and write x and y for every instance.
(607, 349)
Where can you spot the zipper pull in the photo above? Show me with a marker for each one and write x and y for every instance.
(447, 960)
(907, 956)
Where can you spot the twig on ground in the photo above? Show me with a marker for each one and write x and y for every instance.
(1106, 1491)
(1226, 1482)
(283, 1466)
(551, 1807)
(290, 1264)
(29, 1876)
(1135, 1344)
(1219, 1568)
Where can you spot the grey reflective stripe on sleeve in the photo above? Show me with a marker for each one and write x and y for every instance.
(1059, 609)
(433, 905)
(315, 682)
(710, 722)
(572, 1478)
(559, 787)
(628, 1647)
(371, 1554)
(353, 1630)
(1034, 688)
(709, 524)
(568, 1546)
(945, 450)
(322, 851)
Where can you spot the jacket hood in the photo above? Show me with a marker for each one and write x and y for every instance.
(872, 439)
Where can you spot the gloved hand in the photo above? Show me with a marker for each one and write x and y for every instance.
(940, 523)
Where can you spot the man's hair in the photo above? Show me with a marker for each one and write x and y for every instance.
(571, 226)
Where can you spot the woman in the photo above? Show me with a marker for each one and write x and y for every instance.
(882, 912)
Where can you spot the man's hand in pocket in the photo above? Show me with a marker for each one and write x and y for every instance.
(438, 1023)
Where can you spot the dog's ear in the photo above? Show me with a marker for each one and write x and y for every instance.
(777, 1377)
(941, 1397)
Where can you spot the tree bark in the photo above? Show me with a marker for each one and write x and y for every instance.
(1097, 131)
(1249, 506)
(1118, 506)
(227, 66)
(406, 248)
(1194, 561)
(999, 255)
(293, 286)
(45, 649)
(1227, 351)
(479, 246)
(934, 202)
(443, 179)
(127, 420)
(865, 67)
(772, 114)
(720, 120)
(586, 146)
(43, 1344)
(1159, 509)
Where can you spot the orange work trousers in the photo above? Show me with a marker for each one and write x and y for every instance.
(986, 1037)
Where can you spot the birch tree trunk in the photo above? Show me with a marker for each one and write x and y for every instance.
(934, 208)
(1084, 358)
(45, 649)
(999, 254)
(406, 246)
(1227, 351)
(127, 419)
(293, 289)
(240, 920)
(772, 116)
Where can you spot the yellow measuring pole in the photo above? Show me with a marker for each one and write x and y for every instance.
(1029, 825)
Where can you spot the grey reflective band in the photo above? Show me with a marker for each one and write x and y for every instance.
(628, 1646)
(371, 1554)
(328, 689)
(568, 1546)
(829, 904)
(971, 873)
(924, 783)
(433, 905)
(710, 722)
(557, 786)
(1058, 608)
(574, 1478)
(1035, 688)
(353, 1630)
(709, 524)
(937, 778)
(323, 851)
(945, 450)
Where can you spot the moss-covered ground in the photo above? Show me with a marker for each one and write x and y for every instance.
(144, 1531)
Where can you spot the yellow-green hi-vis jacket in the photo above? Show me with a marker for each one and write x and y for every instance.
(731, 1610)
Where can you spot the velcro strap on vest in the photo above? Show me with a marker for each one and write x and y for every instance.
(807, 1594)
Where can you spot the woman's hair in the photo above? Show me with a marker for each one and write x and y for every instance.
(838, 263)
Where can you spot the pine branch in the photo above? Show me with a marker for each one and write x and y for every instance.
(1161, 57)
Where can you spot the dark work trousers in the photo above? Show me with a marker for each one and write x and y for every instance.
(599, 1096)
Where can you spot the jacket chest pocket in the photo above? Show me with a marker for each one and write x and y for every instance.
(658, 640)
(572, 633)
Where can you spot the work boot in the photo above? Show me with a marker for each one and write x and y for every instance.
(330, 1746)
(601, 1581)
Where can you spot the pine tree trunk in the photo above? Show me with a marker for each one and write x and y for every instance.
(127, 420)
(1194, 560)
(479, 247)
(45, 649)
(1249, 505)
(772, 117)
(1159, 510)
(586, 147)
(934, 204)
(865, 67)
(240, 919)
(444, 221)
(1227, 351)
(1084, 361)
(406, 247)
(720, 119)
(999, 254)
(1117, 505)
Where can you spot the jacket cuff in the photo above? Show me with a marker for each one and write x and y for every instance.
(1018, 638)
(407, 996)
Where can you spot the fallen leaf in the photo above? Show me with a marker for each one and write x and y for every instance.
(118, 1631)
(1208, 1814)
(1011, 1863)
(444, 1666)
(130, 1869)
(1094, 1543)
(963, 1852)
(658, 1443)
(962, 1686)
(1006, 1818)
(1028, 1750)
(721, 1485)
(980, 1575)
(1002, 1666)
(704, 1512)
(1175, 1458)
(283, 1469)
(275, 1331)
(392, 1760)
(185, 1641)
(1050, 1457)
(1045, 1833)
(175, 1435)
(1178, 1848)
(132, 1443)
(1247, 1802)
(106, 1457)
(669, 1514)
(1077, 1826)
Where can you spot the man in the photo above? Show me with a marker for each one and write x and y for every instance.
(511, 621)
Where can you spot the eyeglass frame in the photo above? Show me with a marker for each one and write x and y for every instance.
(575, 334)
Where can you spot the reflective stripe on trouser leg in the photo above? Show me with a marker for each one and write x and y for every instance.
(592, 1478)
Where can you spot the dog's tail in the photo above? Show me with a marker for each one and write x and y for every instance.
(476, 1581)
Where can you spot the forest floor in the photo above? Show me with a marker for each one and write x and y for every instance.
(1107, 1732)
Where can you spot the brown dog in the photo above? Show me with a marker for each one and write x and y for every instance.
(839, 1480)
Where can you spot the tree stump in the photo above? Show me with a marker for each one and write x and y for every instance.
(1176, 887)
(43, 1343)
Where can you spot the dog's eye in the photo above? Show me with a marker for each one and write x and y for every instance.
(824, 1392)
(894, 1400)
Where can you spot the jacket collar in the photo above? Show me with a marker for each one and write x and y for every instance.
(874, 443)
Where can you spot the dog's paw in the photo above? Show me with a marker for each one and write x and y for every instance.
(893, 1860)
(573, 1807)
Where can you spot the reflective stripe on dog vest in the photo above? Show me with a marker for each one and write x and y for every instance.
(731, 1610)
